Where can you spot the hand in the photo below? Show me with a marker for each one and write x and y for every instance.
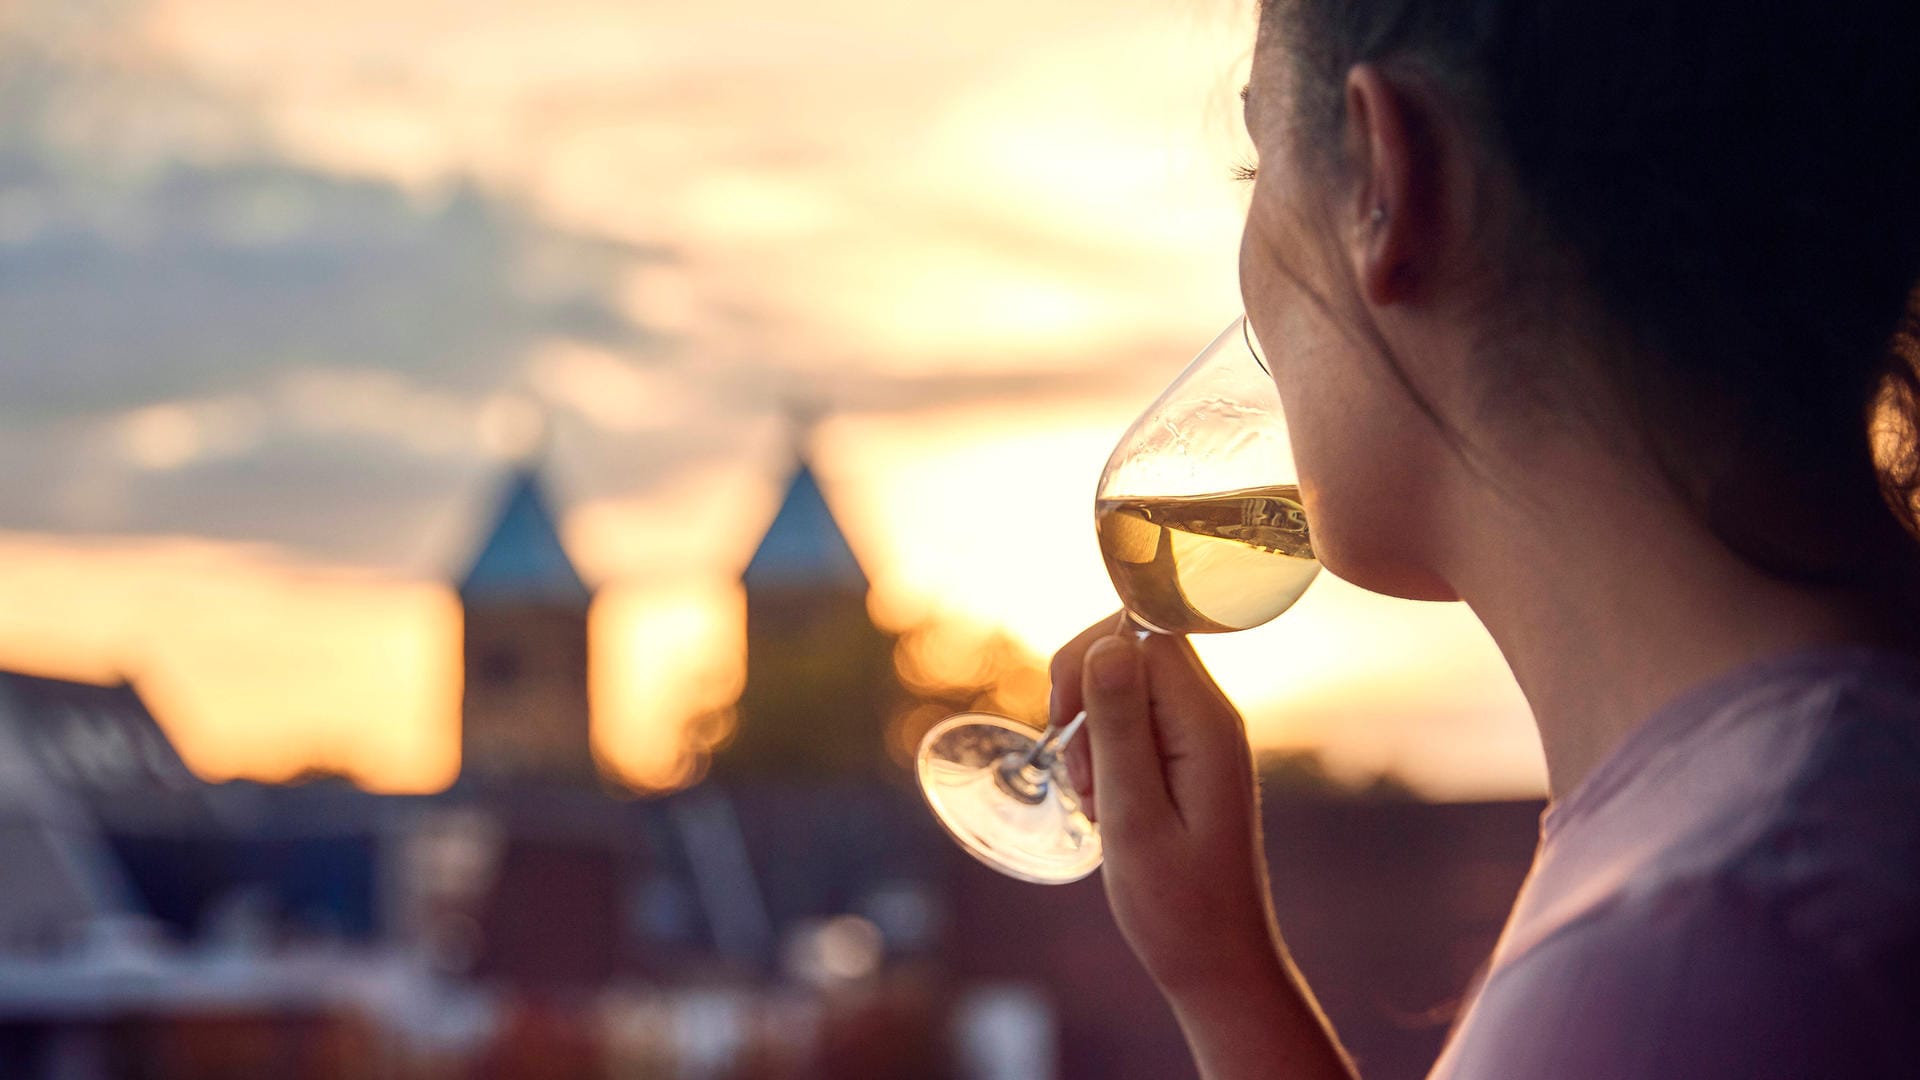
(1166, 766)
(1166, 756)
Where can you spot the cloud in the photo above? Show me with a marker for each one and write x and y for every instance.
(209, 277)
(208, 336)
(156, 243)
(205, 337)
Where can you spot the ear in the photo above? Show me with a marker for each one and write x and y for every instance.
(1394, 205)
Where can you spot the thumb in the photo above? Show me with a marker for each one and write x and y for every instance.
(1126, 756)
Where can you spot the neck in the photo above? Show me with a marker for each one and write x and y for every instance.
(1608, 602)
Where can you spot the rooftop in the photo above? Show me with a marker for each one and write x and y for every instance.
(523, 560)
(804, 545)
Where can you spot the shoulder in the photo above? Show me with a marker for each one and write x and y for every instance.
(1772, 930)
(1690, 981)
(1801, 791)
(1821, 853)
(1836, 863)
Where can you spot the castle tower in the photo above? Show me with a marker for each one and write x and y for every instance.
(820, 676)
(523, 713)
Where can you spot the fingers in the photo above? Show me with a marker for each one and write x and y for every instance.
(1064, 705)
(1120, 727)
(1201, 769)
(1079, 759)
(1066, 668)
(1202, 739)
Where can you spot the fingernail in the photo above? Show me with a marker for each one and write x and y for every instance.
(1111, 664)
(1053, 706)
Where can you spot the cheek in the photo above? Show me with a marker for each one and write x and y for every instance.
(1368, 463)
(1365, 452)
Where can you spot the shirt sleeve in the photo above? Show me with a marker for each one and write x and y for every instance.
(1693, 982)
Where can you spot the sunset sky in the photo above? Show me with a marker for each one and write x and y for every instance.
(287, 287)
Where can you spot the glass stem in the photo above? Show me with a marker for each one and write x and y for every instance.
(1026, 777)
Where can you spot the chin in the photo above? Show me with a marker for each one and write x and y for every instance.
(1385, 572)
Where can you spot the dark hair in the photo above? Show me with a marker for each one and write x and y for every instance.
(1737, 185)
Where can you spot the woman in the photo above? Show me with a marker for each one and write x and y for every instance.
(1583, 310)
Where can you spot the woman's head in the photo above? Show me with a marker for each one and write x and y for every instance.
(1695, 226)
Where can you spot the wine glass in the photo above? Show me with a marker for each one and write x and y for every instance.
(1199, 520)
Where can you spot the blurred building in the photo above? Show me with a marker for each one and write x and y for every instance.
(523, 711)
(73, 758)
(799, 820)
(797, 914)
(150, 923)
(820, 675)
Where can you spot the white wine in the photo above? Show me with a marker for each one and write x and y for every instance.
(1207, 564)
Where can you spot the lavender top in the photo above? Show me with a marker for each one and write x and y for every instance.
(1733, 892)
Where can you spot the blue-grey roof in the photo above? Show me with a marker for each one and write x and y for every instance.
(92, 738)
(804, 545)
(523, 560)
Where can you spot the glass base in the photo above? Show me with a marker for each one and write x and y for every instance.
(969, 771)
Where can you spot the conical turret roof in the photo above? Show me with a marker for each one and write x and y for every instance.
(523, 560)
(804, 546)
